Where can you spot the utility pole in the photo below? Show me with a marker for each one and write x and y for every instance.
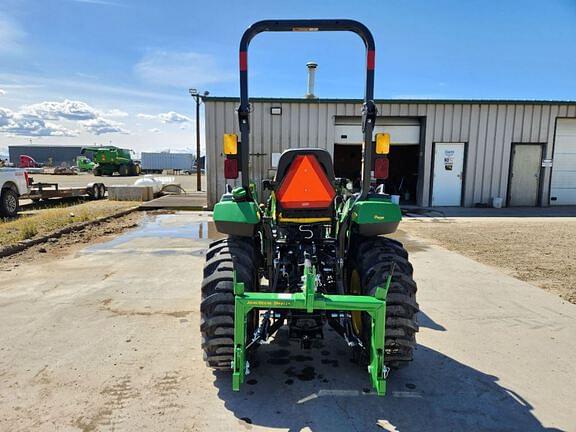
(199, 98)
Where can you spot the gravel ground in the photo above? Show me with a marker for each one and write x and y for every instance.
(540, 251)
(69, 243)
(42, 221)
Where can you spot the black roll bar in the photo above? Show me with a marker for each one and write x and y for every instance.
(368, 108)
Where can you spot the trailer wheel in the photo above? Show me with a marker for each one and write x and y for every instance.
(217, 305)
(372, 262)
(102, 190)
(93, 191)
(9, 204)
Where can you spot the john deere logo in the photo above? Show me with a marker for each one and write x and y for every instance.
(377, 217)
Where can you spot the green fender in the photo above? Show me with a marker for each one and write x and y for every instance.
(236, 218)
(376, 216)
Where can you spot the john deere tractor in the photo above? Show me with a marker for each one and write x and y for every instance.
(314, 254)
(111, 159)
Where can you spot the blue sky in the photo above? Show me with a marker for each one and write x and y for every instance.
(95, 71)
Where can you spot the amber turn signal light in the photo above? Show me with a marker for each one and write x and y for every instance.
(230, 144)
(382, 143)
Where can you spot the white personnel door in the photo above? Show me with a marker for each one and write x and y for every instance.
(563, 185)
(447, 175)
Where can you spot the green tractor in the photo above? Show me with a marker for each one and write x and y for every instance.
(111, 159)
(84, 164)
(314, 254)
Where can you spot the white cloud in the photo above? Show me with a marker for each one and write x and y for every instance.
(101, 126)
(173, 117)
(2, 92)
(154, 130)
(11, 34)
(181, 69)
(32, 120)
(116, 113)
(146, 116)
(88, 87)
(13, 123)
(167, 117)
(6, 116)
(69, 110)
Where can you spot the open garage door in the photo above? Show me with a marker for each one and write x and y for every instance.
(404, 153)
(563, 185)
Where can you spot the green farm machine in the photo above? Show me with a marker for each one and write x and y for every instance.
(110, 159)
(84, 164)
(314, 254)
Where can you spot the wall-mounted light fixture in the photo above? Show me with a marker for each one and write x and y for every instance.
(276, 110)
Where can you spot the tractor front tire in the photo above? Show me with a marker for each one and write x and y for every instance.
(373, 260)
(223, 258)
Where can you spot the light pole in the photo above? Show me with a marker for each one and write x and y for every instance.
(198, 98)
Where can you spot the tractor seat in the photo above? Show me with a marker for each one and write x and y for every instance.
(305, 186)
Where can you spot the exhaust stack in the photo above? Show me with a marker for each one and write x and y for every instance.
(311, 75)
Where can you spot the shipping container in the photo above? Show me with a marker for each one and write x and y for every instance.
(158, 162)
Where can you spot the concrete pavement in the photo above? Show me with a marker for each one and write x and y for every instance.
(108, 339)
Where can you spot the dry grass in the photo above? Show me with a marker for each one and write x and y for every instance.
(541, 251)
(42, 222)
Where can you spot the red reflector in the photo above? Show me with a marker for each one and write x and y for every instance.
(381, 168)
(243, 60)
(305, 185)
(231, 169)
(370, 60)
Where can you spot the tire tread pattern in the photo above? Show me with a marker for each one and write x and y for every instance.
(223, 257)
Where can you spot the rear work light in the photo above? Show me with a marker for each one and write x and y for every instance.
(231, 169)
(305, 185)
(381, 168)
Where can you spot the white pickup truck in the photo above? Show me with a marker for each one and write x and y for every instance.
(14, 182)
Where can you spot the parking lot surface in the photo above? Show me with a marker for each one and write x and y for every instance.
(108, 339)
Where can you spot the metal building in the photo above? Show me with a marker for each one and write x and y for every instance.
(443, 153)
(46, 154)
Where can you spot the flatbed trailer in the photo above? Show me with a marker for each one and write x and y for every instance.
(45, 191)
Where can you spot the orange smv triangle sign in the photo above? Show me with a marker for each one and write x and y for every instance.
(306, 185)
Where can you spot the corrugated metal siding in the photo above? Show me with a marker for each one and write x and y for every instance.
(489, 129)
(42, 154)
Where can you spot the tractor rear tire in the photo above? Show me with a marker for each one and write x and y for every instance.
(373, 259)
(223, 258)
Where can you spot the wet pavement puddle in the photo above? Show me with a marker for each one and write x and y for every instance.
(175, 231)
